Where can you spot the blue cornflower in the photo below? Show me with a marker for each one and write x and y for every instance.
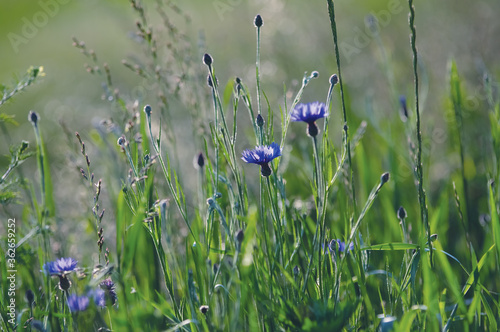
(60, 267)
(262, 155)
(338, 245)
(309, 113)
(78, 303)
(107, 291)
(99, 297)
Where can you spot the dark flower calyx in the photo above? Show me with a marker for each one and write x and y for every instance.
(200, 161)
(312, 129)
(64, 283)
(260, 121)
(33, 117)
(401, 213)
(258, 22)
(384, 178)
(334, 79)
(265, 170)
(207, 59)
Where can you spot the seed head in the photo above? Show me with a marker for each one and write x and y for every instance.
(199, 161)
(24, 146)
(209, 80)
(401, 213)
(147, 110)
(258, 22)
(260, 121)
(121, 141)
(207, 59)
(33, 117)
(334, 79)
(211, 202)
(384, 178)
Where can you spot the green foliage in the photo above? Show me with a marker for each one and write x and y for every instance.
(18, 154)
(7, 93)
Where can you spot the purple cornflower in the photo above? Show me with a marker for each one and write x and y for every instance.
(108, 287)
(60, 267)
(309, 113)
(78, 303)
(99, 297)
(338, 245)
(262, 155)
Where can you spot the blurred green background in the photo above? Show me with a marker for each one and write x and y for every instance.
(296, 38)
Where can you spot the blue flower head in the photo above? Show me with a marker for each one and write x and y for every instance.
(262, 155)
(60, 267)
(78, 303)
(106, 292)
(99, 297)
(309, 113)
(339, 246)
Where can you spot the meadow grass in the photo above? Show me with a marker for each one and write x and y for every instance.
(300, 233)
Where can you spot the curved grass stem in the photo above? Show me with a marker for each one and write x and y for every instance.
(424, 214)
(333, 24)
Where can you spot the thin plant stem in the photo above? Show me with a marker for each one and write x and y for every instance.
(318, 175)
(319, 201)
(257, 72)
(333, 24)
(166, 172)
(277, 221)
(286, 117)
(328, 105)
(264, 222)
(420, 176)
(43, 213)
(216, 118)
(354, 229)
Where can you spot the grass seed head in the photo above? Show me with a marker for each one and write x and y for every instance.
(258, 22)
(207, 59)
